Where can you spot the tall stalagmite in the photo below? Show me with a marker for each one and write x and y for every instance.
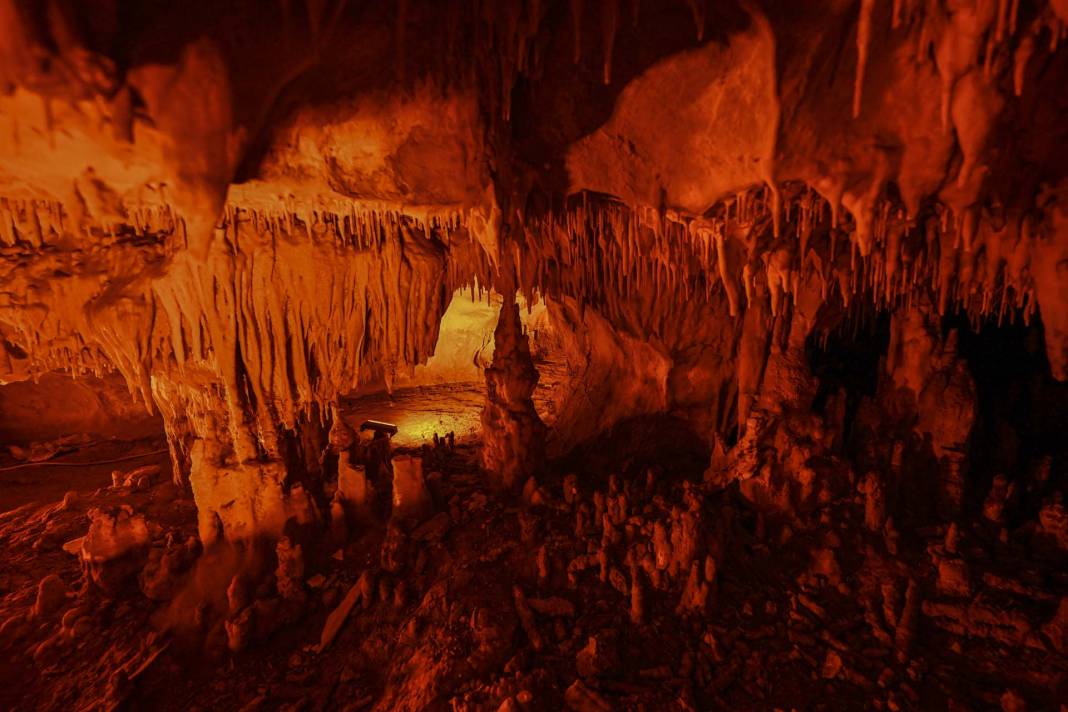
(513, 448)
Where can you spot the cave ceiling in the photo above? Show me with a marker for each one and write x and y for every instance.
(263, 203)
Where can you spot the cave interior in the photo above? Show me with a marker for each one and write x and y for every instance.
(533, 354)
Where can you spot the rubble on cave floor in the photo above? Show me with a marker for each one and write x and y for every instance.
(80, 580)
(634, 588)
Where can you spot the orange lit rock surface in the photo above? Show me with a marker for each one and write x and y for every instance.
(795, 278)
(514, 449)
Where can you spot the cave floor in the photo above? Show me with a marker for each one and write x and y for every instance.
(461, 614)
(422, 410)
(80, 465)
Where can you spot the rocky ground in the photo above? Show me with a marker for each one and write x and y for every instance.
(422, 410)
(634, 588)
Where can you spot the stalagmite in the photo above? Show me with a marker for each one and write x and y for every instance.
(110, 550)
(289, 575)
(874, 502)
(637, 596)
(411, 498)
(1001, 492)
(355, 493)
(514, 447)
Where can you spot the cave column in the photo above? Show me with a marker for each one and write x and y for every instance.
(934, 389)
(1050, 270)
(249, 499)
(513, 446)
(237, 497)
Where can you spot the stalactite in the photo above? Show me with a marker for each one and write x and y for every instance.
(297, 301)
(697, 9)
(609, 22)
(576, 29)
(1020, 59)
(400, 37)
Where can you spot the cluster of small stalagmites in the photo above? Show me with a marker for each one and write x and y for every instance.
(967, 588)
(431, 621)
(124, 546)
(636, 548)
(632, 543)
(891, 609)
(259, 603)
(965, 592)
(642, 544)
(791, 474)
(896, 596)
(258, 606)
(408, 521)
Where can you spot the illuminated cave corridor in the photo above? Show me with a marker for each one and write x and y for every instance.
(524, 355)
(446, 394)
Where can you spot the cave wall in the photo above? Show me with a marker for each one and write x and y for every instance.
(57, 405)
(246, 216)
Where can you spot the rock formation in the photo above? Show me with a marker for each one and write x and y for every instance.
(513, 448)
(798, 367)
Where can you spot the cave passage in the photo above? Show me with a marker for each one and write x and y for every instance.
(446, 394)
(522, 355)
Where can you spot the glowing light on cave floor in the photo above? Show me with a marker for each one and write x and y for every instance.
(420, 411)
(448, 392)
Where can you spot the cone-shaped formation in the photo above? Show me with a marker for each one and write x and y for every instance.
(513, 446)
